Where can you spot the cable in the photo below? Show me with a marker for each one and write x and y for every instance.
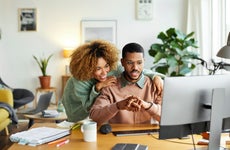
(194, 145)
(193, 141)
(152, 135)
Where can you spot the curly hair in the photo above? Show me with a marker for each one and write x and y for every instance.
(84, 58)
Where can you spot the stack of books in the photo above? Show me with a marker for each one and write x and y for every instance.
(50, 113)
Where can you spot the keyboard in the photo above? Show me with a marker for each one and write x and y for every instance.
(135, 132)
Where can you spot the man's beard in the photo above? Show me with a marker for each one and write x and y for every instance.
(130, 78)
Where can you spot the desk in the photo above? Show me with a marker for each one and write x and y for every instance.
(106, 142)
(51, 89)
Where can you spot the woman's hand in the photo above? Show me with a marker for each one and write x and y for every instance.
(158, 89)
(111, 80)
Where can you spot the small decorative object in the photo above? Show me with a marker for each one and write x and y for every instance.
(144, 9)
(173, 57)
(44, 79)
(27, 20)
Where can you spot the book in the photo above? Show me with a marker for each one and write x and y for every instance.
(50, 113)
(37, 136)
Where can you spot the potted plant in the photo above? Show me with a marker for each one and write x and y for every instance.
(43, 63)
(173, 57)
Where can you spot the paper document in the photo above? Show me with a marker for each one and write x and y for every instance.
(37, 136)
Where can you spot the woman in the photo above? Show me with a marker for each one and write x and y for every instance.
(90, 66)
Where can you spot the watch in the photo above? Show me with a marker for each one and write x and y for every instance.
(144, 9)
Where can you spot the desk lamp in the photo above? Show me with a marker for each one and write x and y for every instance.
(67, 52)
(224, 52)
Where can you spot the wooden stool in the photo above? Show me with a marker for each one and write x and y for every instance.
(51, 89)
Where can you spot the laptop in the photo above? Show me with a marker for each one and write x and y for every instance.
(43, 104)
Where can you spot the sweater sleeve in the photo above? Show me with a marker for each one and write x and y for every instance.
(103, 109)
(85, 90)
(155, 111)
(77, 98)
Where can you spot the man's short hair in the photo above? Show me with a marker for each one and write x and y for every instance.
(131, 48)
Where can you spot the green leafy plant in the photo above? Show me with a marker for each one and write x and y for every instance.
(43, 63)
(173, 57)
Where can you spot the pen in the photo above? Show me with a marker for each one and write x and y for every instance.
(62, 143)
(56, 141)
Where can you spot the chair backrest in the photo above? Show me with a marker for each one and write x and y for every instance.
(6, 96)
(4, 84)
(43, 103)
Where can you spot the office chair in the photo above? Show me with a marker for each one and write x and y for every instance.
(21, 96)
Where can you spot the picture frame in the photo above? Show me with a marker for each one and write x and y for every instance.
(27, 19)
(99, 29)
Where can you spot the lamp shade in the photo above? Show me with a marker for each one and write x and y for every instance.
(224, 52)
(67, 53)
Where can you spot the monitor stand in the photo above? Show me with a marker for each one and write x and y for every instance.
(218, 97)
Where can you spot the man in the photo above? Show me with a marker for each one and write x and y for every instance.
(131, 100)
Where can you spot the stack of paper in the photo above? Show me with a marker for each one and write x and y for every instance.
(50, 113)
(65, 124)
(37, 136)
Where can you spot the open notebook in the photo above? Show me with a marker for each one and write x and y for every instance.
(37, 136)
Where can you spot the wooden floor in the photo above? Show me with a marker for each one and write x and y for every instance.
(5, 142)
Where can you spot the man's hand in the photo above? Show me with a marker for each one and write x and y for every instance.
(111, 80)
(133, 103)
(141, 104)
(130, 103)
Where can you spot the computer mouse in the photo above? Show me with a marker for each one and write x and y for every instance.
(105, 128)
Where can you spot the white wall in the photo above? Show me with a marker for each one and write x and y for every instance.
(59, 27)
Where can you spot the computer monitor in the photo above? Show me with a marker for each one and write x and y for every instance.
(195, 104)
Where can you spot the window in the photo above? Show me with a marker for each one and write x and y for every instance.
(227, 14)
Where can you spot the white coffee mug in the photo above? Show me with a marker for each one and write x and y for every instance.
(89, 130)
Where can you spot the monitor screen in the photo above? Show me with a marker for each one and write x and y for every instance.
(187, 104)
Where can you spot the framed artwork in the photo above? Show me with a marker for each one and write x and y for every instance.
(99, 29)
(27, 19)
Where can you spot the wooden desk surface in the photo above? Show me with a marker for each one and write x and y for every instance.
(106, 142)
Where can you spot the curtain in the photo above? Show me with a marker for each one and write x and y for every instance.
(207, 19)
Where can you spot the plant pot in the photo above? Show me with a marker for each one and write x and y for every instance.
(45, 81)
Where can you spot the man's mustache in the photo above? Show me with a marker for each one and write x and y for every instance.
(133, 71)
